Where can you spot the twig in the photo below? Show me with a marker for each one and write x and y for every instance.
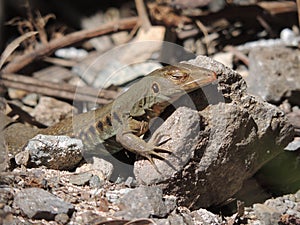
(44, 50)
(65, 91)
(23, 116)
(61, 62)
(13, 45)
(278, 7)
(140, 7)
(203, 28)
(241, 56)
(265, 25)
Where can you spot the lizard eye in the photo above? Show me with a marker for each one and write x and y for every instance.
(178, 75)
(155, 88)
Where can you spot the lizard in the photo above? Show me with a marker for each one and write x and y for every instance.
(120, 124)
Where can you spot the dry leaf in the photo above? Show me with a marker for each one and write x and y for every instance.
(13, 45)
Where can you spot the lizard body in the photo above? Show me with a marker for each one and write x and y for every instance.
(120, 123)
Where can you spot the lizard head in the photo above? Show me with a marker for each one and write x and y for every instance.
(160, 88)
(172, 80)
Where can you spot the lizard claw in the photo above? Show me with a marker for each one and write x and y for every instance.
(163, 149)
(154, 152)
(150, 153)
(152, 162)
(149, 150)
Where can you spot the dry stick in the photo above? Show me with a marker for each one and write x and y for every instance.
(53, 92)
(65, 87)
(13, 45)
(265, 25)
(203, 28)
(141, 9)
(44, 50)
(60, 62)
(66, 91)
(241, 56)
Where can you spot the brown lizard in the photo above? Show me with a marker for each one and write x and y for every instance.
(121, 123)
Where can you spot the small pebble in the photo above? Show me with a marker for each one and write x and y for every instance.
(130, 182)
(96, 182)
(80, 179)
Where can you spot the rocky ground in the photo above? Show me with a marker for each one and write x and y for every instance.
(85, 199)
(235, 142)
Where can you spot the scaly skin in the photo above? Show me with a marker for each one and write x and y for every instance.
(119, 124)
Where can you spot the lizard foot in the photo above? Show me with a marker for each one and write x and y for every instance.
(148, 150)
(153, 151)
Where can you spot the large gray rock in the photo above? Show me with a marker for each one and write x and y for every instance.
(202, 216)
(39, 204)
(144, 202)
(274, 74)
(55, 152)
(215, 150)
(268, 215)
(280, 210)
(184, 127)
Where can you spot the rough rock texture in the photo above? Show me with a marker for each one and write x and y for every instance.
(268, 215)
(236, 134)
(284, 209)
(184, 125)
(274, 74)
(99, 167)
(39, 204)
(50, 111)
(54, 152)
(144, 202)
(80, 179)
(202, 216)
